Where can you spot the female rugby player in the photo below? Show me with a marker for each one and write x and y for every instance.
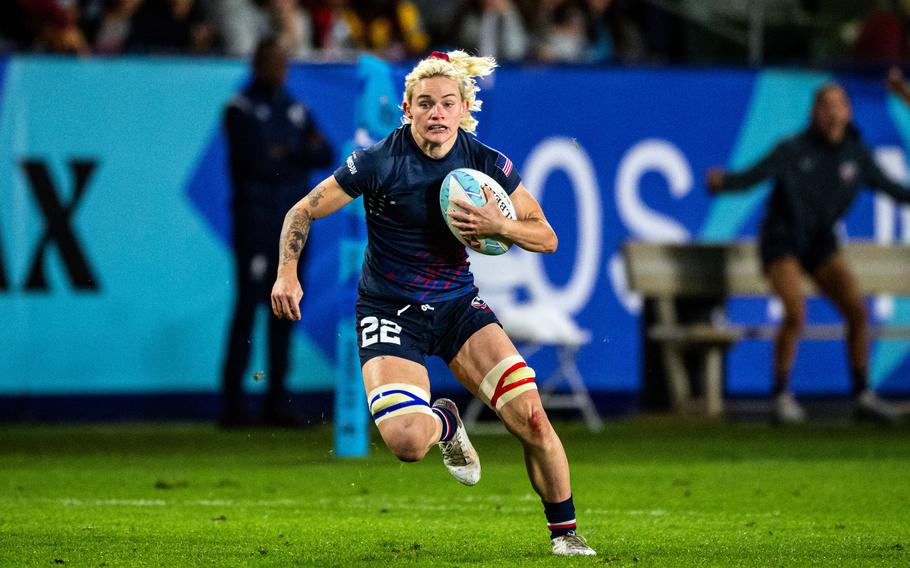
(417, 295)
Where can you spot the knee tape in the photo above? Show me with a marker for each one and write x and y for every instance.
(508, 379)
(397, 399)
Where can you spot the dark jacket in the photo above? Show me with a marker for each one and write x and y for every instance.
(815, 183)
(273, 144)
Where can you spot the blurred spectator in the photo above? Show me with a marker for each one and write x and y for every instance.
(661, 32)
(492, 28)
(898, 85)
(242, 24)
(53, 26)
(437, 18)
(826, 32)
(335, 22)
(273, 143)
(883, 35)
(107, 24)
(837, 25)
(389, 28)
(611, 35)
(563, 36)
(170, 26)
(294, 27)
(538, 14)
(14, 32)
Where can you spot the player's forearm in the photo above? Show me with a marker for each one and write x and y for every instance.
(535, 235)
(740, 181)
(898, 192)
(902, 90)
(294, 234)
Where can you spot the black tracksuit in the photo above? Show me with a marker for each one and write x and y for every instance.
(273, 144)
(815, 183)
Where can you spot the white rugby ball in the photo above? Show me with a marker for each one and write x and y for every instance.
(467, 184)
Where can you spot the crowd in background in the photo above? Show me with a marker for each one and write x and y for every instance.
(574, 31)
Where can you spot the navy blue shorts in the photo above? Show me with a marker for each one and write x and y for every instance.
(811, 257)
(414, 331)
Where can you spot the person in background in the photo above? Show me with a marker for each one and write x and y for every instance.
(563, 35)
(242, 24)
(817, 175)
(273, 144)
(53, 26)
(493, 28)
(611, 34)
(170, 26)
(391, 29)
(335, 23)
(898, 85)
(884, 34)
(14, 28)
(107, 24)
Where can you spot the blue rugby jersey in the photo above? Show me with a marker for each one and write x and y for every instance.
(411, 254)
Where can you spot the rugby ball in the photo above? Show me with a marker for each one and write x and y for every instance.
(467, 184)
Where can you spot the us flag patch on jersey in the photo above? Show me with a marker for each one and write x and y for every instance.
(504, 164)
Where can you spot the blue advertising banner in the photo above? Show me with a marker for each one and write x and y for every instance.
(115, 266)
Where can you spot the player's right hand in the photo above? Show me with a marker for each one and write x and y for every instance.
(286, 296)
(895, 80)
(715, 180)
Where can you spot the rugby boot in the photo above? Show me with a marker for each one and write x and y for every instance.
(458, 454)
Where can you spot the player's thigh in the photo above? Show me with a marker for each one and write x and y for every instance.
(398, 396)
(390, 345)
(486, 348)
(785, 278)
(836, 281)
(384, 370)
(491, 368)
(489, 365)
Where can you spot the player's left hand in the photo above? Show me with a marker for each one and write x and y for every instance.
(475, 221)
(715, 180)
(895, 81)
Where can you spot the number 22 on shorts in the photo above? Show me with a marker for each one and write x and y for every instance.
(388, 331)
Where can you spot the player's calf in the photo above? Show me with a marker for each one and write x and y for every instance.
(524, 417)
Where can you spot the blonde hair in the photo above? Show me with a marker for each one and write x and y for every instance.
(461, 68)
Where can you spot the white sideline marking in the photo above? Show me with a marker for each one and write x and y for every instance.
(368, 503)
(72, 502)
(116, 502)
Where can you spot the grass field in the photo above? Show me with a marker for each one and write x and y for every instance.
(649, 492)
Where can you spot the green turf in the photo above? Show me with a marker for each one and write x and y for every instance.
(649, 493)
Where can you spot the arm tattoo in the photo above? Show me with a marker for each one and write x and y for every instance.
(316, 196)
(294, 234)
(297, 227)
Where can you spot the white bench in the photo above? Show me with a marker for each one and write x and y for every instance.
(665, 273)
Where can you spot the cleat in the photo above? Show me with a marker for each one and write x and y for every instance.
(571, 544)
(787, 410)
(870, 407)
(458, 454)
